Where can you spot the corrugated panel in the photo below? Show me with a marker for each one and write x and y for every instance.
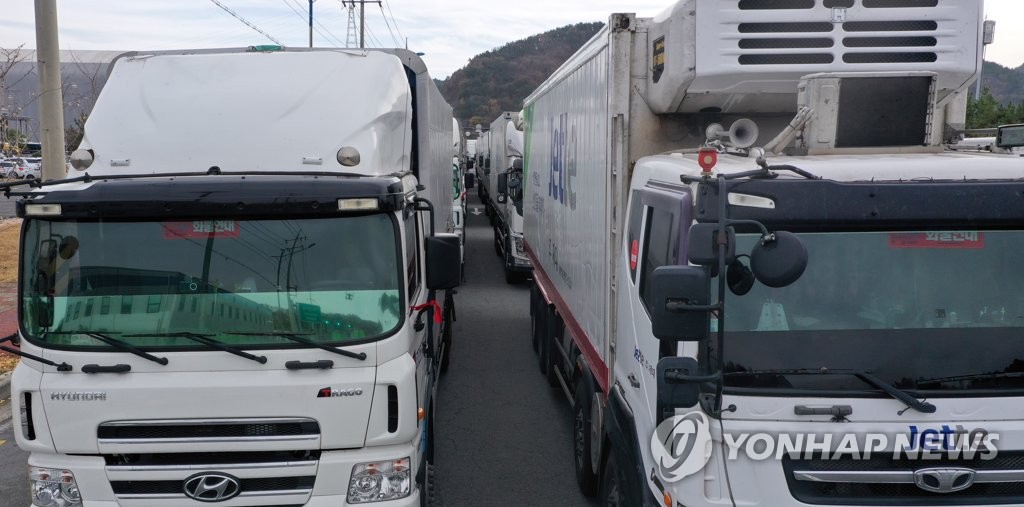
(436, 151)
(566, 160)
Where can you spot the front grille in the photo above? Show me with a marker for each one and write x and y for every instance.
(152, 488)
(206, 460)
(877, 493)
(216, 429)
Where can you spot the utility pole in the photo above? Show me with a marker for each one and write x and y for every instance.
(311, 23)
(362, 17)
(51, 122)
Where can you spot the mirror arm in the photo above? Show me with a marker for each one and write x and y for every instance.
(428, 207)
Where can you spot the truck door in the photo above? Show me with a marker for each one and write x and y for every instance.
(658, 216)
(420, 348)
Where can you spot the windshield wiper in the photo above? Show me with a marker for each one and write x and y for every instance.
(204, 339)
(60, 367)
(299, 338)
(867, 378)
(972, 376)
(117, 344)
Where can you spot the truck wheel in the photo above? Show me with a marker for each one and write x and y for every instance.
(446, 338)
(497, 243)
(581, 436)
(547, 347)
(430, 495)
(537, 307)
(611, 483)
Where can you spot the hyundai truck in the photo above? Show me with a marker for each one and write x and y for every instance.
(242, 295)
(506, 204)
(760, 276)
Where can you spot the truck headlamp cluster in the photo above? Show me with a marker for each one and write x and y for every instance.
(53, 487)
(380, 481)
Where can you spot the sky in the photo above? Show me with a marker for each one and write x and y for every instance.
(448, 32)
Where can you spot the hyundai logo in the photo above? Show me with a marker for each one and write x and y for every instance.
(212, 487)
(944, 480)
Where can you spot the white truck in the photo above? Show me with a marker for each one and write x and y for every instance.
(245, 297)
(506, 196)
(754, 259)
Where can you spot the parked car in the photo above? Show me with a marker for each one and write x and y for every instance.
(8, 167)
(30, 168)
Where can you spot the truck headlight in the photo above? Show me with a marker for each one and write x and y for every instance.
(518, 240)
(379, 481)
(53, 487)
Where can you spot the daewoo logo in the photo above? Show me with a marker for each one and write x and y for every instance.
(330, 392)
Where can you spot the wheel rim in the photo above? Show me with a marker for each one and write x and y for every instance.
(580, 434)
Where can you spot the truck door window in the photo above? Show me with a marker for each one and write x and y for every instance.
(636, 210)
(412, 259)
(661, 246)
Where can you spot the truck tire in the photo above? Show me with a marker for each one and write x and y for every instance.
(446, 338)
(611, 483)
(497, 243)
(582, 443)
(511, 277)
(537, 307)
(547, 346)
(430, 494)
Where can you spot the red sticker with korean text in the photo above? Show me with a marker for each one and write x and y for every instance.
(938, 239)
(201, 229)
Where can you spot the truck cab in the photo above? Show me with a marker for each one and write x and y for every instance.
(506, 203)
(206, 316)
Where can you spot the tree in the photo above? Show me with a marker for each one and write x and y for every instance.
(986, 112)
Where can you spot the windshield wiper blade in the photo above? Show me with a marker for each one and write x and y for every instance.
(204, 339)
(299, 338)
(971, 376)
(864, 376)
(117, 344)
(60, 367)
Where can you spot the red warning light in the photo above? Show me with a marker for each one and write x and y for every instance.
(707, 158)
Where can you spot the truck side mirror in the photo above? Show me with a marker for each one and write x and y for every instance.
(779, 261)
(502, 187)
(503, 183)
(672, 290)
(444, 265)
(1010, 136)
(702, 248)
(470, 180)
(675, 392)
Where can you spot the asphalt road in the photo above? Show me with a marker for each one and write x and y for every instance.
(503, 435)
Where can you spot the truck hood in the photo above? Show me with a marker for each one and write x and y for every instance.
(253, 410)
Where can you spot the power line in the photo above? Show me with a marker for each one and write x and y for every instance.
(247, 23)
(335, 40)
(385, 16)
(395, 22)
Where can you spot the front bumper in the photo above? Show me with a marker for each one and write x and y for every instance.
(332, 473)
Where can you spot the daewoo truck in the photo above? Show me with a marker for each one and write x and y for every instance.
(506, 199)
(752, 252)
(242, 295)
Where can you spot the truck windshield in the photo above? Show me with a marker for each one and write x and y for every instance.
(924, 311)
(333, 280)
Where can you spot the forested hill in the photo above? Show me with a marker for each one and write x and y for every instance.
(500, 79)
